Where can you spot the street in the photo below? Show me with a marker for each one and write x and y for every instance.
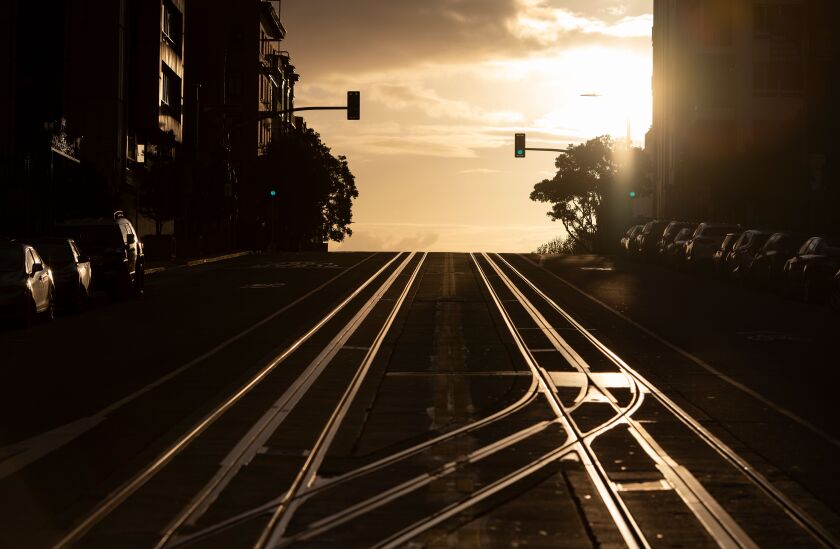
(424, 399)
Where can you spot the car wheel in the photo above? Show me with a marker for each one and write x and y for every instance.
(49, 314)
(139, 281)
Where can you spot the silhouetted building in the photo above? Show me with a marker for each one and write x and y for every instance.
(94, 86)
(238, 80)
(37, 153)
(744, 122)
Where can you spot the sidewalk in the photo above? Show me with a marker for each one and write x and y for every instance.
(160, 266)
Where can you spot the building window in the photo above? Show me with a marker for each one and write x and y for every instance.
(171, 93)
(172, 26)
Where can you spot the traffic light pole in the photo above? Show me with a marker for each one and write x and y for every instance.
(547, 150)
(352, 108)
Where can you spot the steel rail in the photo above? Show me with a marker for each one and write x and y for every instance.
(796, 513)
(403, 489)
(276, 526)
(118, 496)
(256, 437)
(332, 521)
(325, 484)
(415, 483)
(717, 522)
(623, 519)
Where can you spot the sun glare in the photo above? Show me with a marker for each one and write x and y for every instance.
(587, 92)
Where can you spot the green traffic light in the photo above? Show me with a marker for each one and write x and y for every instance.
(272, 192)
(632, 194)
(519, 151)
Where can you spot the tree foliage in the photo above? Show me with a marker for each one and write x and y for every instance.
(315, 190)
(587, 192)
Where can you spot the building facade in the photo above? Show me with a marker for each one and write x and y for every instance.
(238, 84)
(86, 109)
(743, 115)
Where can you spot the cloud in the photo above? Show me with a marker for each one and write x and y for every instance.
(413, 96)
(340, 37)
(479, 171)
(442, 140)
(547, 25)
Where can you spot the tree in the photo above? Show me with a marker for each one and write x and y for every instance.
(591, 191)
(314, 190)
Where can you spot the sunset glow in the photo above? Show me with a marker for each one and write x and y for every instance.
(434, 147)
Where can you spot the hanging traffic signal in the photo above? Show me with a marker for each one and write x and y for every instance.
(519, 145)
(353, 105)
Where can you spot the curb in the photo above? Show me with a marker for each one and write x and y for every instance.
(202, 261)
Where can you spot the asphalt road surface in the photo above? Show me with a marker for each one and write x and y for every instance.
(423, 400)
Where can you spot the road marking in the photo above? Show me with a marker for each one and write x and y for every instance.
(43, 444)
(711, 369)
(608, 380)
(650, 486)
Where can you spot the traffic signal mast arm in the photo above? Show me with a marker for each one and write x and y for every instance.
(352, 108)
(519, 147)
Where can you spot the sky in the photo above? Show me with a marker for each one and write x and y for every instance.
(445, 84)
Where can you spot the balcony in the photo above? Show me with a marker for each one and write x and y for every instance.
(271, 21)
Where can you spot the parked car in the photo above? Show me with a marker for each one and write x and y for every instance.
(719, 259)
(70, 269)
(627, 242)
(26, 284)
(767, 268)
(649, 237)
(768, 264)
(670, 233)
(115, 251)
(810, 273)
(705, 240)
(675, 251)
(740, 258)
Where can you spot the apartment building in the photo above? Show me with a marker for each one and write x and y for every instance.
(744, 125)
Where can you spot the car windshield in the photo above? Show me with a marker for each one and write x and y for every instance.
(11, 260)
(57, 255)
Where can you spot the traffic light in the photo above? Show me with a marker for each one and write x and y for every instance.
(632, 194)
(272, 193)
(353, 105)
(519, 145)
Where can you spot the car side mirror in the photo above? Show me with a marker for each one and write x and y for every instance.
(37, 268)
(130, 238)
